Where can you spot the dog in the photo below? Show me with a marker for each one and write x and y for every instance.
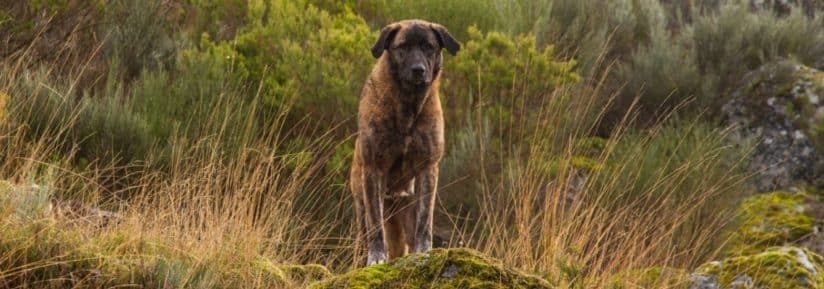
(400, 141)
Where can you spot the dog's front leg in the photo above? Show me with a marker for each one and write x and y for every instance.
(425, 188)
(373, 190)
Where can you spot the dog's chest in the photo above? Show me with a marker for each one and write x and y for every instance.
(404, 155)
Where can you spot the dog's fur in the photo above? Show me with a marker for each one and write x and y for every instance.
(400, 140)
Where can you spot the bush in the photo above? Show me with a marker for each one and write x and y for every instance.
(665, 149)
(709, 57)
(735, 40)
(304, 56)
(201, 97)
(662, 76)
(499, 74)
(220, 19)
(94, 129)
(137, 35)
(455, 15)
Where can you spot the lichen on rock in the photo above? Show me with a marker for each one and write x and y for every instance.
(771, 219)
(438, 269)
(776, 268)
(781, 107)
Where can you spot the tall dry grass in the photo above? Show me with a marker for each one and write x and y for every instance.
(211, 219)
(650, 198)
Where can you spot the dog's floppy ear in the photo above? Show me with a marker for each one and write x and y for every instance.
(446, 40)
(387, 34)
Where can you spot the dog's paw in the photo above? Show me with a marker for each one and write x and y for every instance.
(423, 246)
(376, 258)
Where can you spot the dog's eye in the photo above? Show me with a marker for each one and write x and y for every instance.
(428, 49)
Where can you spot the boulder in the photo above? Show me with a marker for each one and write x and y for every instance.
(780, 106)
(775, 268)
(437, 269)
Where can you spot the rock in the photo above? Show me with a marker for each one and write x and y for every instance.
(437, 269)
(33, 202)
(781, 107)
(29, 203)
(777, 268)
(72, 211)
(771, 219)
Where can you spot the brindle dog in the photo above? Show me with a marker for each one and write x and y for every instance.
(400, 140)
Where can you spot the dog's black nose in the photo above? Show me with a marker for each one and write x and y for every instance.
(418, 69)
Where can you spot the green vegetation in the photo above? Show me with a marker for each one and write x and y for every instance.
(771, 219)
(584, 143)
(653, 277)
(440, 268)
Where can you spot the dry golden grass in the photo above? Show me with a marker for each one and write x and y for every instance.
(211, 221)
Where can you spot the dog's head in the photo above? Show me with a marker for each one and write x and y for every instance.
(414, 51)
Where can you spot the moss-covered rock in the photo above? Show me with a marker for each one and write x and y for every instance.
(439, 268)
(776, 268)
(652, 277)
(781, 106)
(771, 219)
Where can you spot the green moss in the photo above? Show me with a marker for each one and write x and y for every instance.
(439, 268)
(771, 219)
(305, 273)
(592, 145)
(777, 268)
(288, 275)
(587, 164)
(270, 270)
(652, 277)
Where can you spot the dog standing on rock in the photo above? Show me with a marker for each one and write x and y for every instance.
(400, 141)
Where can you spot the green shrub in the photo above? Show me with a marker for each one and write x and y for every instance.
(686, 156)
(307, 58)
(709, 57)
(596, 31)
(662, 76)
(735, 40)
(503, 73)
(220, 19)
(136, 34)
(201, 97)
(455, 15)
(93, 128)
